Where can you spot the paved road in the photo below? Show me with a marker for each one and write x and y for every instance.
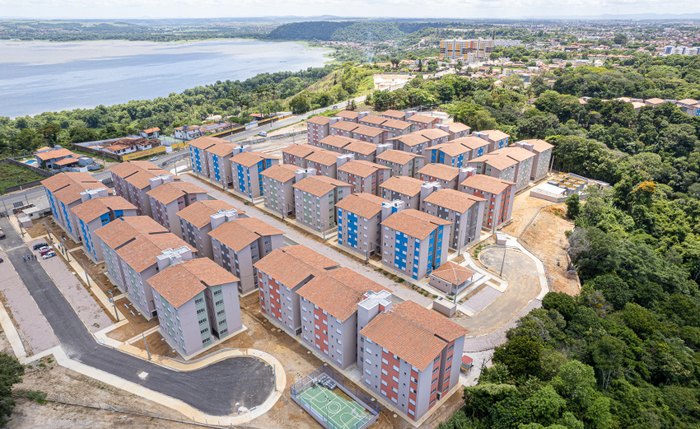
(213, 390)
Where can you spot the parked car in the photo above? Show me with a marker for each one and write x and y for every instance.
(45, 250)
(262, 133)
(48, 255)
(155, 158)
(2, 234)
(38, 246)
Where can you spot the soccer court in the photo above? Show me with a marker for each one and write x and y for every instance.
(338, 412)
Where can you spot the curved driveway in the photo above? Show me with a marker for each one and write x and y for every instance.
(214, 390)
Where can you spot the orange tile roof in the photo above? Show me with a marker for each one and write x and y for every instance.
(66, 187)
(205, 142)
(124, 229)
(366, 130)
(361, 168)
(517, 153)
(138, 173)
(345, 126)
(538, 145)
(347, 114)
(403, 185)
(223, 149)
(240, 233)
(141, 253)
(397, 156)
(319, 120)
(199, 213)
(362, 204)
(53, 154)
(151, 130)
(434, 133)
(300, 150)
(171, 191)
(423, 119)
(451, 149)
(499, 161)
(363, 148)
(453, 200)
(337, 142)
(67, 161)
(439, 171)
(458, 127)
(323, 157)
(430, 320)
(319, 185)
(495, 135)
(452, 273)
(339, 291)
(414, 223)
(396, 114)
(181, 282)
(96, 207)
(249, 159)
(373, 120)
(291, 265)
(281, 172)
(471, 142)
(485, 183)
(397, 124)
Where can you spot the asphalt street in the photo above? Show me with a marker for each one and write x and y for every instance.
(214, 390)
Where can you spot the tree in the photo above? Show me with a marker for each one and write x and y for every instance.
(11, 372)
(521, 355)
(300, 104)
(573, 206)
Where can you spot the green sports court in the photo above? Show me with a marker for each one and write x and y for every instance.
(337, 411)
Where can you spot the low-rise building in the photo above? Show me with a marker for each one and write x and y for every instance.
(417, 141)
(95, 213)
(359, 218)
(358, 131)
(464, 211)
(497, 139)
(277, 187)
(49, 157)
(496, 165)
(349, 115)
(238, 243)
(315, 198)
(169, 198)
(295, 154)
(414, 242)
(401, 163)
(133, 180)
(317, 128)
(197, 304)
(335, 142)
(326, 162)
(328, 306)
(451, 278)
(363, 151)
(247, 168)
(198, 219)
(393, 127)
(394, 114)
(423, 122)
(455, 129)
(452, 154)
(409, 355)
(67, 190)
(447, 176)
(280, 275)
(217, 161)
(403, 188)
(187, 132)
(476, 146)
(363, 176)
(198, 157)
(134, 250)
(523, 168)
(542, 158)
(499, 195)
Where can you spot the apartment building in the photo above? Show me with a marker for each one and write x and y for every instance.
(169, 198)
(523, 168)
(394, 114)
(318, 127)
(499, 195)
(464, 211)
(247, 168)
(467, 50)
(475, 146)
(403, 188)
(455, 130)
(359, 218)
(497, 139)
(134, 250)
(452, 154)
(393, 127)
(239, 243)
(409, 355)
(363, 176)
(315, 198)
(401, 163)
(277, 187)
(414, 242)
(198, 157)
(197, 304)
(295, 154)
(134, 179)
(67, 190)
(217, 161)
(542, 158)
(349, 115)
(357, 131)
(364, 151)
(199, 218)
(448, 177)
(95, 213)
(451, 278)
(326, 162)
(328, 306)
(417, 141)
(423, 122)
(335, 142)
(280, 275)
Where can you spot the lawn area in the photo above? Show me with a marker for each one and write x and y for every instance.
(13, 175)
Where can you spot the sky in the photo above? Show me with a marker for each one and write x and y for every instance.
(111, 9)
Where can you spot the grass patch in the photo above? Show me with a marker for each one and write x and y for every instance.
(14, 175)
(33, 395)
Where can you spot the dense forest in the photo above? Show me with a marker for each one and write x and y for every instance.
(352, 31)
(267, 93)
(625, 352)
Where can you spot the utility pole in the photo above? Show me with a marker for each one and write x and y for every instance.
(145, 343)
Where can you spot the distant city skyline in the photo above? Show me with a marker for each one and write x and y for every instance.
(458, 9)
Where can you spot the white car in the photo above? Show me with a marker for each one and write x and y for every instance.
(48, 255)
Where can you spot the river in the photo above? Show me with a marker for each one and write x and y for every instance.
(37, 77)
